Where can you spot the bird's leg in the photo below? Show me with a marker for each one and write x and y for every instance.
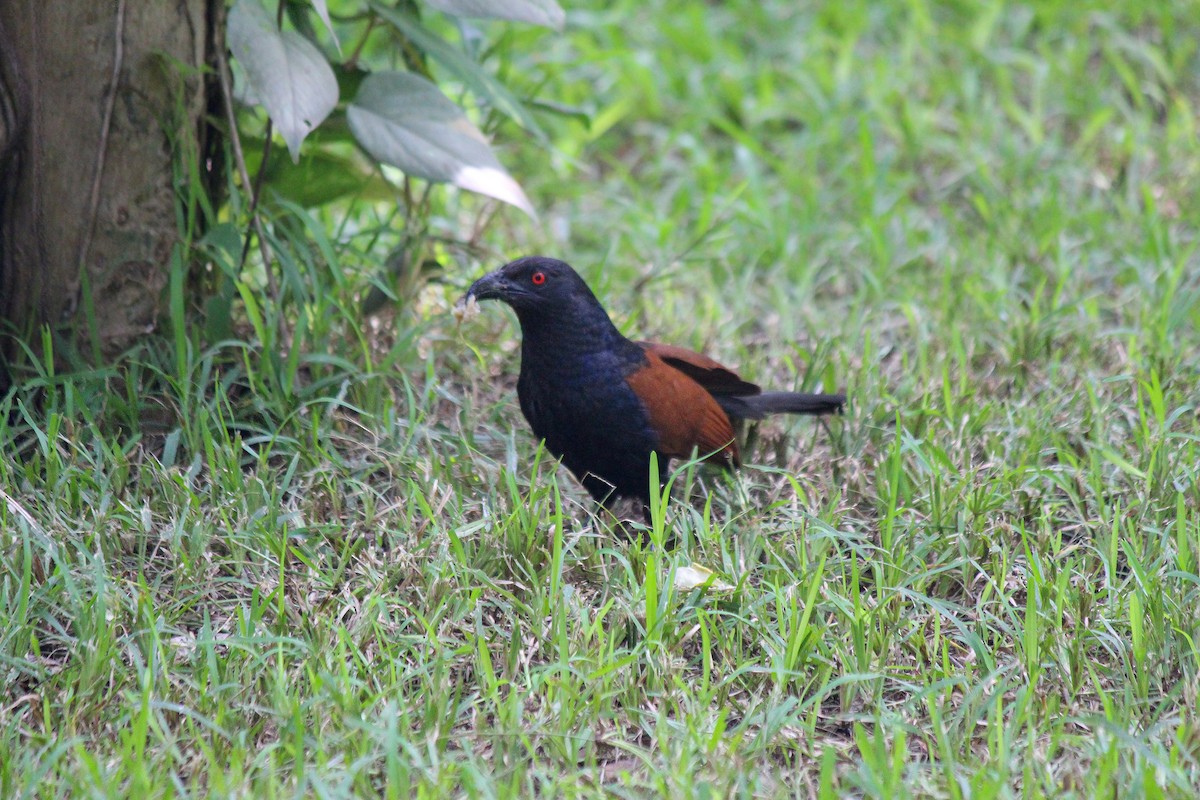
(612, 520)
(751, 441)
(620, 516)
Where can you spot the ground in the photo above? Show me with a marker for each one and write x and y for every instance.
(982, 580)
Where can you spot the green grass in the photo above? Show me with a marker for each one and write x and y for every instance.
(327, 565)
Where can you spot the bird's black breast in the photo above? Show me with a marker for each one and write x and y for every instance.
(590, 419)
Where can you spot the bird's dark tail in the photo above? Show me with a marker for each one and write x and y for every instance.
(757, 406)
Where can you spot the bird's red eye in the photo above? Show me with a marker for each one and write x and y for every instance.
(538, 278)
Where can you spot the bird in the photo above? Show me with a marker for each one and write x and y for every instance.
(605, 404)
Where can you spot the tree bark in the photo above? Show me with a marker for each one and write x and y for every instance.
(100, 103)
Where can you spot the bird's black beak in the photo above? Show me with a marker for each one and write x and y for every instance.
(492, 286)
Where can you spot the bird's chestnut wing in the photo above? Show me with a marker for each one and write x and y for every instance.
(682, 412)
(712, 375)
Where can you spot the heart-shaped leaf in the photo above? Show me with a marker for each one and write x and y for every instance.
(287, 73)
(320, 176)
(471, 73)
(404, 120)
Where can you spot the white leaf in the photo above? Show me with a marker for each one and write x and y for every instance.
(323, 12)
(404, 120)
(694, 575)
(287, 72)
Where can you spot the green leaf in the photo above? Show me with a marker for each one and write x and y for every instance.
(404, 120)
(546, 13)
(470, 73)
(320, 176)
(287, 73)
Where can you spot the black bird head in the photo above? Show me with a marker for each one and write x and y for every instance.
(535, 286)
(555, 307)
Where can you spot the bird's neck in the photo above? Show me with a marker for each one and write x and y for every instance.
(571, 342)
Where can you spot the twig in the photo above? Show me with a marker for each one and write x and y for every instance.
(16, 509)
(105, 126)
(255, 194)
(352, 62)
(240, 159)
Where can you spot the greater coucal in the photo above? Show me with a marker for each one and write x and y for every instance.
(604, 403)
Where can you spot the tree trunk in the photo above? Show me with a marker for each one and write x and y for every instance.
(100, 102)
